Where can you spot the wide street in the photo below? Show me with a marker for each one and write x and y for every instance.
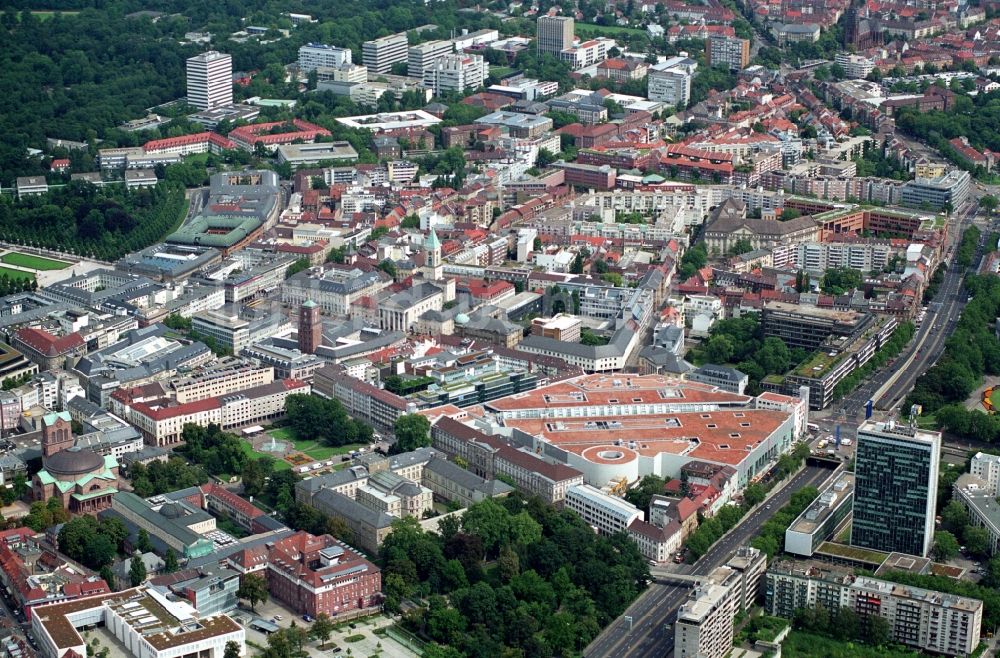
(653, 613)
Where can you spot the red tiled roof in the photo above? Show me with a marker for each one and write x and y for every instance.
(197, 138)
(45, 343)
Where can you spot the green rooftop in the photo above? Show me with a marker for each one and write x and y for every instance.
(852, 552)
(818, 365)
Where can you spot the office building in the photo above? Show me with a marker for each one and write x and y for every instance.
(820, 520)
(895, 489)
(315, 55)
(145, 623)
(704, 627)
(987, 468)
(670, 81)
(210, 80)
(925, 620)
(950, 190)
(855, 66)
(608, 514)
(554, 34)
(455, 73)
(423, 55)
(379, 55)
(733, 52)
(800, 325)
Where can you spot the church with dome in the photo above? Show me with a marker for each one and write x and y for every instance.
(84, 480)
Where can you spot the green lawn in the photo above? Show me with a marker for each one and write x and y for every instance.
(500, 71)
(314, 449)
(16, 274)
(606, 30)
(279, 464)
(995, 398)
(196, 159)
(33, 262)
(800, 644)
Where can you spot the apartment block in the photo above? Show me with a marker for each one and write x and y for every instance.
(731, 52)
(670, 81)
(704, 627)
(925, 620)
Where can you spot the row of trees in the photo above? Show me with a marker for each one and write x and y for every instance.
(103, 222)
(892, 347)
(515, 574)
(771, 538)
(970, 352)
(312, 418)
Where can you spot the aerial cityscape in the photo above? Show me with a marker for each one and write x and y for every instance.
(446, 329)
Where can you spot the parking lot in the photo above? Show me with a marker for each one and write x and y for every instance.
(369, 645)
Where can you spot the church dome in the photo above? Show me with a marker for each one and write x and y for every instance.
(73, 461)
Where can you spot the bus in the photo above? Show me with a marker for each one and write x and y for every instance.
(812, 427)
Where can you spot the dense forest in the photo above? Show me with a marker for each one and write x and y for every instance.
(78, 75)
(102, 222)
(515, 574)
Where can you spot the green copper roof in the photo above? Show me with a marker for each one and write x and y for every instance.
(432, 241)
(309, 303)
(50, 419)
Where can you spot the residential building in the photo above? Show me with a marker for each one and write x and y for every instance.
(31, 185)
(895, 488)
(380, 54)
(728, 51)
(455, 73)
(926, 620)
(145, 622)
(986, 467)
(704, 626)
(818, 522)
(210, 80)
(368, 403)
(670, 81)
(855, 66)
(554, 34)
(422, 57)
(315, 55)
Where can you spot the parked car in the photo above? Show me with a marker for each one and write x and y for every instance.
(307, 618)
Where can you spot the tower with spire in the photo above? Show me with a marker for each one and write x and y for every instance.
(310, 327)
(433, 269)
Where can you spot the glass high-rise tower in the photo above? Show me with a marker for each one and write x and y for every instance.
(895, 488)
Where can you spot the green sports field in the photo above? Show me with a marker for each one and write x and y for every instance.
(33, 262)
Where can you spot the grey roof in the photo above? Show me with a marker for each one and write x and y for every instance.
(146, 453)
(329, 480)
(721, 372)
(336, 504)
(165, 525)
(411, 296)
(467, 479)
(616, 347)
(222, 552)
(357, 280)
(665, 359)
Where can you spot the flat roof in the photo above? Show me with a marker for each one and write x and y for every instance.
(829, 500)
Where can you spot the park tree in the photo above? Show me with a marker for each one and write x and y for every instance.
(232, 650)
(253, 590)
(170, 561)
(989, 202)
(143, 544)
(945, 545)
(322, 629)
(412, 431)
(137, 571)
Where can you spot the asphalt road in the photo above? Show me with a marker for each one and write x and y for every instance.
(654, 612)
